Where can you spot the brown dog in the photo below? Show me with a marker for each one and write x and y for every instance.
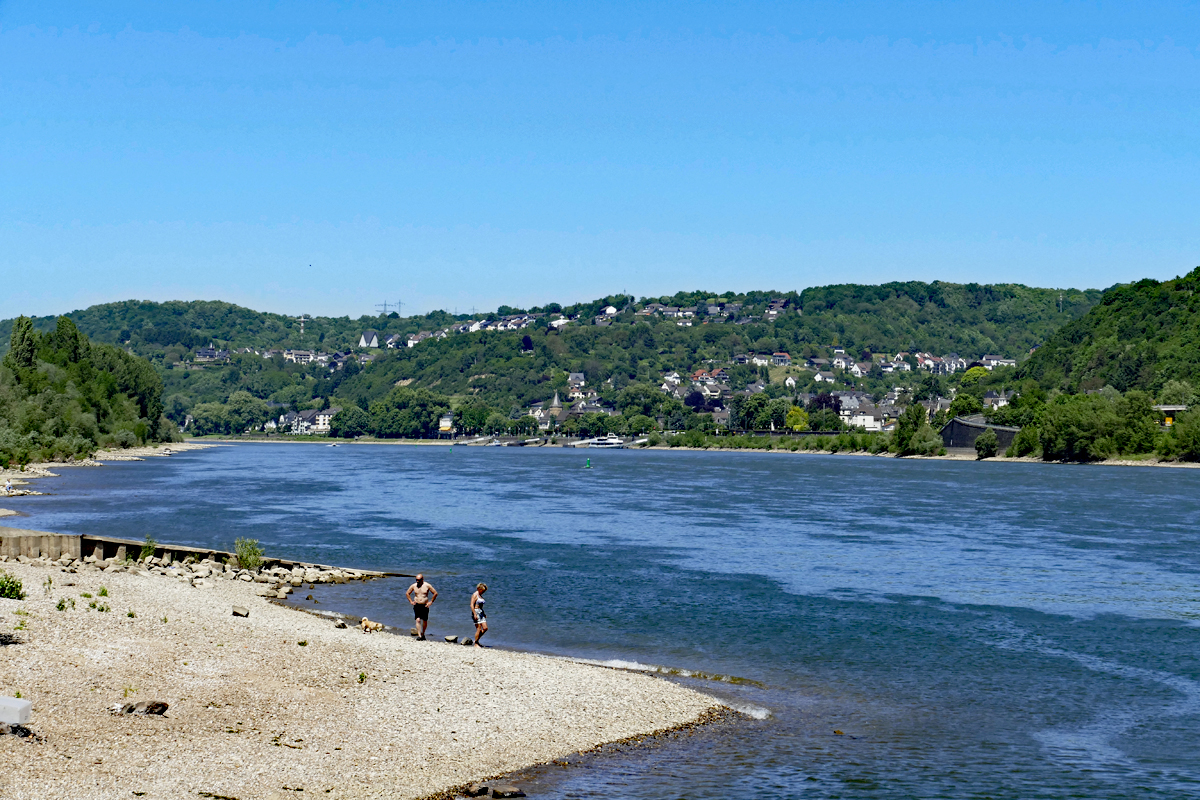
(368, 626)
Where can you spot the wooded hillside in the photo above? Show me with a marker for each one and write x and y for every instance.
(1140, 336)
(62, 396)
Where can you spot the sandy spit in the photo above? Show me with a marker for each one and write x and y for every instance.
(253, 714)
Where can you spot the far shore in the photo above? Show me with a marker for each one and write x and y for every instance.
(282, 701)
(1149, 461)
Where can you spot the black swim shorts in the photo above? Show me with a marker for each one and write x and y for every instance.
(421, 611)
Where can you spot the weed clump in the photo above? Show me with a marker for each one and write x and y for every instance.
(10, 587)
(249, 554)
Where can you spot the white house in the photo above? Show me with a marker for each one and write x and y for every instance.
(610, 311)
(867, 418)
(823, 377)
(369, 339)
(298, 356)
(322, 419)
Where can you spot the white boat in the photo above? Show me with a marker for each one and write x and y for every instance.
(610, 442)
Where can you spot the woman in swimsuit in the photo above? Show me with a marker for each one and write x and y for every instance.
(477, 615)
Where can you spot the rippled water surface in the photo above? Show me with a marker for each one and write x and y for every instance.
(974, 630)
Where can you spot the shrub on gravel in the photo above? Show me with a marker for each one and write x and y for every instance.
(10, 587)
(249, 554)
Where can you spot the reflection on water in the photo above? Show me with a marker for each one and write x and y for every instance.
(974, 630)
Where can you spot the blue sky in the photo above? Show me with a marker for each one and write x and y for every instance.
(459, 154)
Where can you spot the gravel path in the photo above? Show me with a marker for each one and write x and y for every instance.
(253, 714)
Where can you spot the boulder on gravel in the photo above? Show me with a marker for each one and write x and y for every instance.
(506, 791)
(475, 790)
(452, 639)
(241, 611)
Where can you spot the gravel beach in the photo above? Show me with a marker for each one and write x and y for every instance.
(282, 703)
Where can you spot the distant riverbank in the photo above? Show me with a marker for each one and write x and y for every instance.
(1125, 461)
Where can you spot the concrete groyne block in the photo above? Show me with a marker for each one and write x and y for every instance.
(15, 711)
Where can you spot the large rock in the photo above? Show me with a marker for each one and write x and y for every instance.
(475, 790)
(506, 791)
(241, 611)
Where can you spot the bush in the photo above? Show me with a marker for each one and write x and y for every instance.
(10, 587)
(987, 444)
(149, 547)
(249, 554)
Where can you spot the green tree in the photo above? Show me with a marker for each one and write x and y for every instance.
(640, 398)
(973, 376)
(473, 416)
(965, 404)
(1176, 392)
(245, 412)
(797, 419)
(408, 413)
(640, 423)
(349, 423)
(925, 442)
(23, 345)
(987, 444)
(1025, 443)
(209, 418)
(496, 424)
(1078, 428)
(906, 427)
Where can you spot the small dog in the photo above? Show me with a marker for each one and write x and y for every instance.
(368, 626)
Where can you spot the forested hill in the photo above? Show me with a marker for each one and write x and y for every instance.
(152, 329)
(969, 319)
(1140, 336)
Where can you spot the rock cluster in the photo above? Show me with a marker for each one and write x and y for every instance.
(272, 582)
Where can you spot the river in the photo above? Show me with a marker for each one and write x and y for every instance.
(893, 628)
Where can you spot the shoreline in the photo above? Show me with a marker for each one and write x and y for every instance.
(286, 693)
(1150, 461)
(42, 469)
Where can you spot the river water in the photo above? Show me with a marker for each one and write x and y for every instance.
(972, 630)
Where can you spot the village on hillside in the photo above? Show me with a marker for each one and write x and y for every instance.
(835, 375)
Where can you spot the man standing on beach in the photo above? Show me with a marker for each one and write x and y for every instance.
(421, 596)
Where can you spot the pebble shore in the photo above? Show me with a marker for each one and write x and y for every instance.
(280, 703)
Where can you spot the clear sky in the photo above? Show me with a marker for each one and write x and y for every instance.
(323, 158)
